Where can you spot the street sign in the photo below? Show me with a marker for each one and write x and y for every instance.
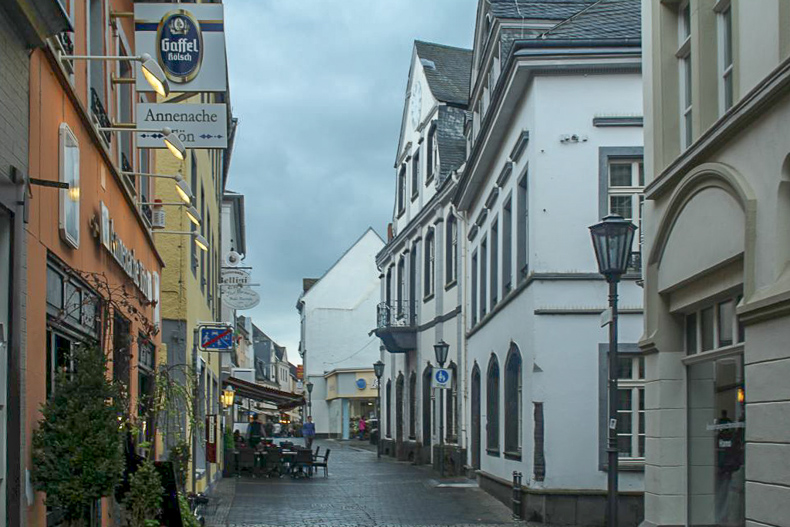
(606, 317)
(215, 338)
(442, 378)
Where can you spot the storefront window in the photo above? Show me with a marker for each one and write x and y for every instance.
(717, 422)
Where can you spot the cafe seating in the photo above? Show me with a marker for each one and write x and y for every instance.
(303, 464)
(323, 462)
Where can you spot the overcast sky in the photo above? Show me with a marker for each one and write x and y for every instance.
(318, 87)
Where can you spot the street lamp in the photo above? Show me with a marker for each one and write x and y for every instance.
(440, 349)
(378, 369)
(309, 398)
(228, 396)
(182, 187)
(612, 239)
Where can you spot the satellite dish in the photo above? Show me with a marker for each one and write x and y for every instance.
(232, 259)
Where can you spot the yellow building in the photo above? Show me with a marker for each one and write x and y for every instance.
(190, 291)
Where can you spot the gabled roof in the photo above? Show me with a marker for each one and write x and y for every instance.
(450, 139)
(447, 69)
(603, 20)
(537, 9)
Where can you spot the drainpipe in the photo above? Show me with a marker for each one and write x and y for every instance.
(462, 324)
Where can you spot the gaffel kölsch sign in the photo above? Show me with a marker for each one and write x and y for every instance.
(188, 42)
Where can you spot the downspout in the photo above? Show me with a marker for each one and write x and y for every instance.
(462, 216)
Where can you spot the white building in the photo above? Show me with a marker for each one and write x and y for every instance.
(717, 281)
(420, 292)
(555, 144)
(338, 312)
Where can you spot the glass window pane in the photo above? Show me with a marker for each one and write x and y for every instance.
(728, 90)
(641, 446)
(624, 367)
(620, 205)
(727, 40)
(706, 328)
(687, 81)
(691, 334)
(726, 316)
(624, 398)
(686, 20)
(624, 445)
(624, 423)
(641, 174)
(620, 175)
(641, 367)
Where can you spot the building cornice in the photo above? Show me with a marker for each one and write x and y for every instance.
(753, 105)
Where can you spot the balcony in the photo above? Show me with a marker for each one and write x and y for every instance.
(100, 114)
(397, 325)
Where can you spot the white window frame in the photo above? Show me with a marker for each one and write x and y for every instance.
(736, 337)
(636, 190)
(725, 41)
(685, 73)
(69, 198)
(636, 385)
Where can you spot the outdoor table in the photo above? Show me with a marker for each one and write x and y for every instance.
(289, 458)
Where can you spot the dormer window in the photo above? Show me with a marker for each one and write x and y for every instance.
(431, 152)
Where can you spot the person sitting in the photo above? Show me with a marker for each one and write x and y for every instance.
(238, 439)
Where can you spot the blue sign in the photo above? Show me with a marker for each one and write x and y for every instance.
(362, 384)
(442, 378)
(180, 46)
(216, 338)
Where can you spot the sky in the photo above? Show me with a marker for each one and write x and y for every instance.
(318, 87)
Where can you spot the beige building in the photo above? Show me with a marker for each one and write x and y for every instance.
(717, 280)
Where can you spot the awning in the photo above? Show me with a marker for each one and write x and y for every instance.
(256, 392)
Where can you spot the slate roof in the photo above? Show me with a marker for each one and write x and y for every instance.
(603, 20)
(450, 139)
(538, 9)
(448, 76)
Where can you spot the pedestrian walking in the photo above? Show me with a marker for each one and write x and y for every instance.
(254, 432)
(308, 431)
(362, 426)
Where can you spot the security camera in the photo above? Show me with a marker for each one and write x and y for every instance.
(575, 138)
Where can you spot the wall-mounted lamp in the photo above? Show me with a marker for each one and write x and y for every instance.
(199, 240)
(182, 187)
(192, 212)
(171, 140)
(151, 70)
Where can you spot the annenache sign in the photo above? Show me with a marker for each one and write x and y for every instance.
(197, 125)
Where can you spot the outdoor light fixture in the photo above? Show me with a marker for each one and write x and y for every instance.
(228, 396)
(151, 70)
(612, 239)
(378, 369)
(182, 187)
(309, 387)
(171, 140)
(192, 213)
(200, 241)
(441, 348)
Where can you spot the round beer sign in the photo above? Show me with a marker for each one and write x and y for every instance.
(180, 46)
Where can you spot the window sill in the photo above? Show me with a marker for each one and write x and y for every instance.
(400, 213)
(627, 465)
(414, 197)
(428, 181)
(515, 456)
(428, 298)
(494, 453)
(450, 285)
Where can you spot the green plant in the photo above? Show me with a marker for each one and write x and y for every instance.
(187, 519)
(179, 455)
(77, 447)
(143, 502)
(230, 442)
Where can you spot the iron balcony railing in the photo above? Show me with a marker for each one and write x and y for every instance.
(100, 114)
(396, 313)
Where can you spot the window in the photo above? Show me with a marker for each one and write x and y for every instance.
(413, 406)
(494, 262)
(451, 250)
(483, 276)
(432, 156)
(415, 175)
(192, 226)
(430, 263)
(203, 233)
(725, 58)
(507, 247)
(69, 198)
(125, 108)
(427, 407)
(631, 407)
(712, 327)
(522, 228)
(684, 64)
(626, 184)
(451, 403)
(513, 403)
(59, 357)
(401, 285)
(388, 286)
(492, 407)
(402, 190)
(95, 32)
(474, 289)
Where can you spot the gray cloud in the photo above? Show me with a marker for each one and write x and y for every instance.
(319, 88)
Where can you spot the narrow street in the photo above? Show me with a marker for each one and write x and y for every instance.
(360, 491)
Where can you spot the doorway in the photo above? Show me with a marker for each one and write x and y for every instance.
(476, 418)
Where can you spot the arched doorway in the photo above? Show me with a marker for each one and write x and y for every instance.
(476, 417)
(426, 406)
(399, 409)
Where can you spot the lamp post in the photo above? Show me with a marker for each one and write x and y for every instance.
(309, 398)
(612, 239)
(378, 369)
(440, 349)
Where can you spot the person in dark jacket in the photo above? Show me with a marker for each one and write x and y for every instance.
(254, 432)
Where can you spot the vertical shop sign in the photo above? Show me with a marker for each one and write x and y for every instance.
(211, 438)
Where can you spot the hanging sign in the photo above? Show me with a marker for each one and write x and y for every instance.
(188, 42)
(240, 297)
(235, 277)
(197, 125)
(211, 438)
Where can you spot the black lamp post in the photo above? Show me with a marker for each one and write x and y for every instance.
(612, 239)
(309, 398)
(441, 348)
(378, 369)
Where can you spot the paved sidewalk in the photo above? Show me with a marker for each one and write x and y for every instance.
(360, 491)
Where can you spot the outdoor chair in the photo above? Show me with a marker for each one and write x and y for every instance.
(323, 462)
(303, 465)
(273, 465)
(317, 450)
(246, 460)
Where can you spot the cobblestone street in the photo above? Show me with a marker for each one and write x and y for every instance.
(360, 491)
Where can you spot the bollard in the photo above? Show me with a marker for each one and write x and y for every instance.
(516, 495)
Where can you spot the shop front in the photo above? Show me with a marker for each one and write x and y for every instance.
(350, 397)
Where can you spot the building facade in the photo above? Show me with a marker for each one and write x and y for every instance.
(555, 144)
(337, 314)
(421, 294)
(716, 253)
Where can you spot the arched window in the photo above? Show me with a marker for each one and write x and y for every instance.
(476, 417)
(451, 403)
(426, 405)
(492, 406)
(430, 262)
(451, 250)
(389, 408)
(399, 408)
(401, 278)
(431, 157)
(513, 402)
(413, 406)
(388, 291)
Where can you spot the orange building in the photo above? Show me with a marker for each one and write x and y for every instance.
(92, 267)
